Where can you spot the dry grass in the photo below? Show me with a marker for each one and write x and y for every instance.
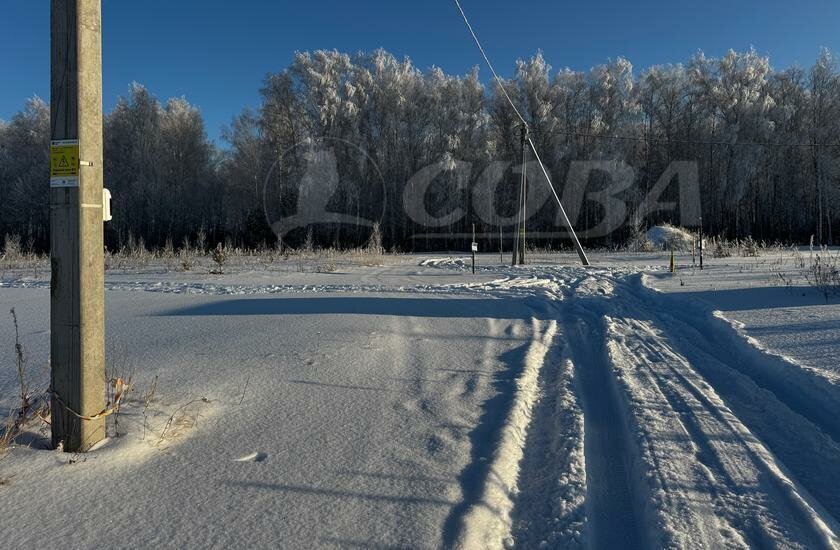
(224, 259)
(32, 409)
(29, 407)
(15, 256)
(823, 272)
(182, 419)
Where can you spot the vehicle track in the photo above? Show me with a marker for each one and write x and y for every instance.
(550, 511)
(799, 389)
(692, 435)
(709, 388)
(612, 496)
(785, 423)
(682, 447)
(730, 471)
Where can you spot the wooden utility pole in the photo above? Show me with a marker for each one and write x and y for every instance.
(77, 295)
(523, 139)
(518, 256)
(514, 255)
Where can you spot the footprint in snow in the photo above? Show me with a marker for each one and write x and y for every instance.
(253, 457)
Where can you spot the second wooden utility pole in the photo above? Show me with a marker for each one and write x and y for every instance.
(524, 186)
(77, 289)
(518, 255)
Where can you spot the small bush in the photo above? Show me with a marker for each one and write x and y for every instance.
(721, 249)
(12, 251)
(309, 244)
(201, 240)
(220, 257)
(14, 256)
(824, 273)
(749, 248)
(639, 242)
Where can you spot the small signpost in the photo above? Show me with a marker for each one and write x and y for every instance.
(474, 248)
(701, 243)
(501, 246)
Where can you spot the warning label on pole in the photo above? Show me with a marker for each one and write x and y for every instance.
(64, 163)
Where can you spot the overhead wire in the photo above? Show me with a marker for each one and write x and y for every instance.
(589, 135)
(487, 60)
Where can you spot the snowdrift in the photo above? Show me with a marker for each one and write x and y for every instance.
(663, 237)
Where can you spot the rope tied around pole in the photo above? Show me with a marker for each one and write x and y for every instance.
(120, 389)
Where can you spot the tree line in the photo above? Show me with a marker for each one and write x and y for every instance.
(765, 145)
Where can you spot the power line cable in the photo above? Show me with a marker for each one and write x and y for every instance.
(681, 141)
(487, 60)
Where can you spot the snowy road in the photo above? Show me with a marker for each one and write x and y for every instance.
(718, 459)
(423, 407)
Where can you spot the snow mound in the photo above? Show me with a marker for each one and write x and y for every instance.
(459, 263)
(665, 237)
(668, 236)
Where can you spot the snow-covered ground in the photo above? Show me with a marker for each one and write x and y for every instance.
(413, 404)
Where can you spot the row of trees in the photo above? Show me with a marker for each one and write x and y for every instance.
(348, 140)
(159, 163)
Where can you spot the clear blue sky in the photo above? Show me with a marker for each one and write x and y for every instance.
(216, 53)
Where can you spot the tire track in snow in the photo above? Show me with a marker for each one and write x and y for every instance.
(739, 493)
(485, 521)
(712, 470)
(550, 509)
(798, 388)
(781, 429)
(804, 451)
(773, 509)
(681, 497)
(735, 491)
(612, 497)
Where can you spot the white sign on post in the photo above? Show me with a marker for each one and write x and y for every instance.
(475, 247)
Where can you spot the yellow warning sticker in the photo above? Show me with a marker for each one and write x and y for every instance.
(64, 163)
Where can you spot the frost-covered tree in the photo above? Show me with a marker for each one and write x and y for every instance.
(24, 174)
(824, 88)
(161, 169)
(765, 143)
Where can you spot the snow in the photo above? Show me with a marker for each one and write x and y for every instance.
(413, 404)
(445, 262)
(670, 237)
(487, 521)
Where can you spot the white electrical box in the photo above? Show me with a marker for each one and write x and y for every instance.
(106, 205)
